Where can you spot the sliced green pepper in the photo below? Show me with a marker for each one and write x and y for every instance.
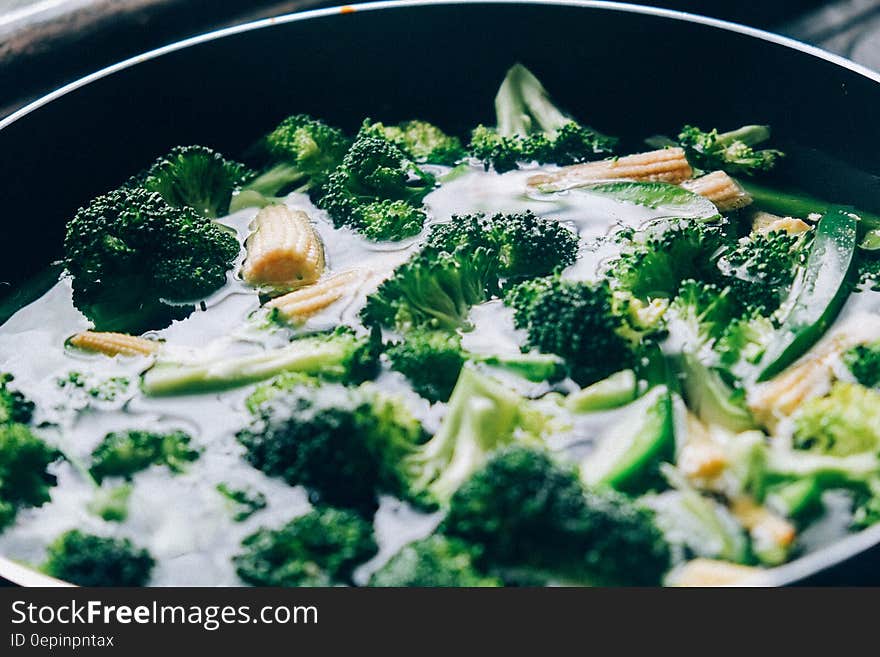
(818, 294)
(630, 455)
(618, 389)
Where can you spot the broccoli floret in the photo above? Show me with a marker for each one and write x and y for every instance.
(300, 152)
(345, 445)
(339, 355)
(88, 560)
(743, 341)
(432, 360)
(433, 289)
(123, 453)
(195, 176)
(420, 140)
(434, 561)
(377, 190)
(864, 362)
(845, 422)
(730, 151)
(24, 479)
(244, 501)
(134, 260)
(483, 416)
(526, 245)
(529, 127)
(762, 267)
(106, 390)
(655, 261)
(524, 508)
(111, 504)
(578, 321)
(320, 548)
(14, 406)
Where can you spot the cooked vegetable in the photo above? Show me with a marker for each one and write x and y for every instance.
(721, 189)
(89, 560)
(522, 508)
(667, 165)
(432, 361)
(377, 190)
(320, 548)
(298, 306)
(482, 416)
(339, 355)
(245, 502)
(114, 344)
(731, 151)
(433, 561)
(14, 406)
(25, 479)
(863, 361)
(194, 176)
(137, 263)
(420, 140)
(846, 421)
(529, 127)
(299, 153)
(283, 252)
(817, 298)
(123, 453)
(345, 445)
(576, 321)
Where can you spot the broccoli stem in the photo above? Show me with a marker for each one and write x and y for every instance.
(750, 135)
(521, 94)
(310, 358)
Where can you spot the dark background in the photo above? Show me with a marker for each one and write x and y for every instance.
(44, 50)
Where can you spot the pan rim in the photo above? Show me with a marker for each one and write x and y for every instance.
(790, 573)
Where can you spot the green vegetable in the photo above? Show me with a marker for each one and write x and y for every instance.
(194, 176)
(377, 190)
(111, 504)
(433, 561)
(523, 244)
(420, 140)
(14, 406)
(482, 416)
(698, 523)
(731, 151)
(123, 453)
(137, 263)
(628, 456)
(432, 361)
(24, 477)
(617, 390)
(864, 362)
(88, 560)
(529, 127)
(337, 356)
(845, 422)
(577, 321)
(320, 548)
(817, 295)
(245, 502)
(300, 153)
(673, 200)
(524, 509)
(345, 445)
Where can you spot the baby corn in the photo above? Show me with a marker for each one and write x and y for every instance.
(284, 252)
(666, 165)
(710, 572)
(764, 222)
(721, 189)
(114, 344)
(297, 306)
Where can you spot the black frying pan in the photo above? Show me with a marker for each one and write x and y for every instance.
(627, 70)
